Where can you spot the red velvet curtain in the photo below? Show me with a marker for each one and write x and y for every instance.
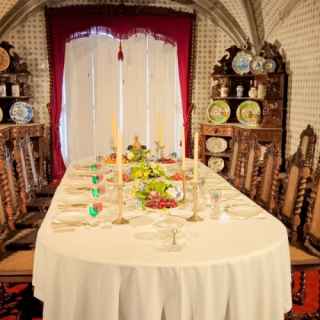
(67, 22)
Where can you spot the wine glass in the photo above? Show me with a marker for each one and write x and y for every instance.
(215, 198)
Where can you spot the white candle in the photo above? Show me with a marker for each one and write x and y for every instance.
(119, 158)
(114, 128)
(183, 150)
(195, 156)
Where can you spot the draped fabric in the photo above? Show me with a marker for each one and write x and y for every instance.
(90, 97)
(138, 89)
(63, 23)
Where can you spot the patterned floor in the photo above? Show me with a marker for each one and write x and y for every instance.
(20, 300)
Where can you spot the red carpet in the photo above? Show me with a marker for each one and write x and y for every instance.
(311, 302)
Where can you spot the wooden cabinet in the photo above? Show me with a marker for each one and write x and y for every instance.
(228, 131)
(234, 89)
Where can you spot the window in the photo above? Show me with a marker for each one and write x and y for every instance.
(143, 91)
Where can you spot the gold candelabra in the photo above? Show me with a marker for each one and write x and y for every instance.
(120, 219)
(195, 217)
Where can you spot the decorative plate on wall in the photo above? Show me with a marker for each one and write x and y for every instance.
(257, 65)
(216, 144)
(216, 164)
(249, 113)
(241, 62)
(4, 59)
(21, 112)
(1, 115)
(270, 65)
(218, 111)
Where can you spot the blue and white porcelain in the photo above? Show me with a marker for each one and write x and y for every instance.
(241, 62)
(21, 112)
(257, 65)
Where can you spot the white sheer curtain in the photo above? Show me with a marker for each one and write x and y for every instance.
(142, 87)
(164, 89)
(77, 108)
(135, 86)
(90, 96)
(151, 88)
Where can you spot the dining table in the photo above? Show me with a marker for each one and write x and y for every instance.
(231, 265)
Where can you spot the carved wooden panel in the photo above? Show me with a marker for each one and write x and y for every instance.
(251, 166)
(312, 226)
(267, 192)
(294, 195)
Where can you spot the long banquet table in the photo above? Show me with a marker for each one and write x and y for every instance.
(228, 269)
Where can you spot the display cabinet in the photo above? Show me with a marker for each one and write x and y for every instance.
(248, 99)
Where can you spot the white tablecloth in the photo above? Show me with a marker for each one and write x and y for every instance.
(228, 270)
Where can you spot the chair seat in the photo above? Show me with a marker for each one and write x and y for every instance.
(19, 263)
(300, 257)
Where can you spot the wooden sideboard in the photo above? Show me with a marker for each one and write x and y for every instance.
(228, 131)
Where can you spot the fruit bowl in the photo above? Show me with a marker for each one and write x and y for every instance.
(157, 194)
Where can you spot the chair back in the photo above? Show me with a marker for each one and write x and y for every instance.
(251, 167)
(235, 164)
(293, 194)
(312, 225)
(307, 145)
(7, 182)
(267, 194)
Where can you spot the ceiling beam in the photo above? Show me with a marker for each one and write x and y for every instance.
(221, 17)
(250, 14)
(215, 11)
(18, 13)
(283, 15)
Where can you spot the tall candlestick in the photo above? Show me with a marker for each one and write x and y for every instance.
(183, 150)
(119, 158)
(114, 128)
(195, 156)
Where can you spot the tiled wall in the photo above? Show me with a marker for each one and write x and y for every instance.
(298, 34)
(300, 39)
(30, 42)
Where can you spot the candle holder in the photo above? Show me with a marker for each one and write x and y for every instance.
(195, 217)
(184, 185)
(120, 219)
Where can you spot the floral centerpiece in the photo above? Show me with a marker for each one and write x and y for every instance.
(157, 194)
(146, 170)
(138, 155)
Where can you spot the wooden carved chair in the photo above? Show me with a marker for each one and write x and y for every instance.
(27, 176)
(307, 257)
(307, 145)
(293, 194)
(234, 175)
(251, 166)
(266, 193)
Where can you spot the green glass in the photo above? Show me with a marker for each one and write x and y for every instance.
(93, 167)
(95, 193)
(95, 179)
(93, 212)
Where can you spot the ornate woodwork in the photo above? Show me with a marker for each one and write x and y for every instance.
(16, 172)
(267, 194)
(263, 136)
(250, 158)
(307, 145)
(293, 195)
(312, 225)
(6, 195)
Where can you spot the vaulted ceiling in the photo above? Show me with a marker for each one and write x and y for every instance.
(240, 19)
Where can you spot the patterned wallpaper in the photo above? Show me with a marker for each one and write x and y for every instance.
(299, 36)
(303, 56)
(30, 42)
(6, 5)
